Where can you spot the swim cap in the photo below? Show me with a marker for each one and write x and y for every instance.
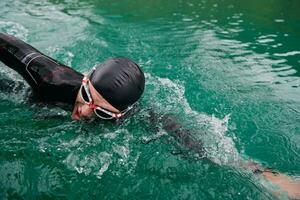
(120, 81)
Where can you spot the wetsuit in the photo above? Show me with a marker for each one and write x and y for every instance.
(51, 81)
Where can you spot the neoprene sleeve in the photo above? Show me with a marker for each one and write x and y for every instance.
(50, 80)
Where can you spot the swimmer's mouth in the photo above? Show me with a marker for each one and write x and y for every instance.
(76, 114)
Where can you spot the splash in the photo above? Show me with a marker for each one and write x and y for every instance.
(12, 87)
(210, 130)
(94, 154)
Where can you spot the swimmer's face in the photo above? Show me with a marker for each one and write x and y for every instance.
(82, 111)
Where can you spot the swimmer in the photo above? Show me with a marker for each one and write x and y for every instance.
(108, 92)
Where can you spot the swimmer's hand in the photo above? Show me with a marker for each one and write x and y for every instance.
(289, 184)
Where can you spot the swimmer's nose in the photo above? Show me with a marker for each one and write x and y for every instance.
(85, 111)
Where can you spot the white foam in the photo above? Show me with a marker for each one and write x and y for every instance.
(291, 53)
(83, 158)
(220, 148)
(66, 56)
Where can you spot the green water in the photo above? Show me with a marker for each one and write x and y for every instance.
(229, 70)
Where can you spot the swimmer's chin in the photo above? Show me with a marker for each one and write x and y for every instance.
(75, 116)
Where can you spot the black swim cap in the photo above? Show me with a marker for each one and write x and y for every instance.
(120, 81)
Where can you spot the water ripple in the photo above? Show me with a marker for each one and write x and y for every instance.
(14, 28)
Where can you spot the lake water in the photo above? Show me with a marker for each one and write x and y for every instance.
(228, 70)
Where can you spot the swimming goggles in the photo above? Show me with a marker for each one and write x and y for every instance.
(102, 113)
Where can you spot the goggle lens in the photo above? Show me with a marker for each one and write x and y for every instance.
(84, 95)
(102, 114)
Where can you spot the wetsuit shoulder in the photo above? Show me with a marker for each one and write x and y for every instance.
(50, 80)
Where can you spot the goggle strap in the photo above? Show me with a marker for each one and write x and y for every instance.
(84, 80)
(117, 115)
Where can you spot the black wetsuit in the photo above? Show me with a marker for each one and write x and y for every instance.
(51, 81)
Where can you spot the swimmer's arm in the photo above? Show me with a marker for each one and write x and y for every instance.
(12, 53)
(13, 49)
